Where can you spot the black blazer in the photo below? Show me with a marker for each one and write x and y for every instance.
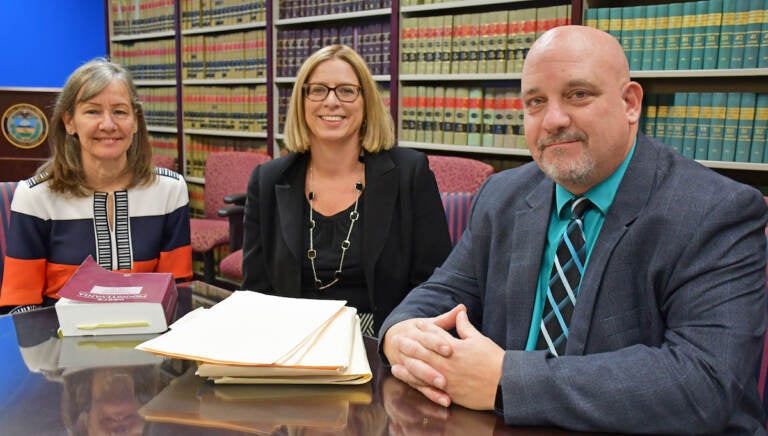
(404, 230)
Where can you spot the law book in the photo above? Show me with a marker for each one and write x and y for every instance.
(651, 12)
(717, 126)
(690, 127)
(408, 114)
(603, 19)
(738, 39)
(687, 29)
(676, 122)
(484, 42)
(421, 108)
(461, 116)
(649, 115)
(703, 126)
(407, 47)
(458, 42)
(664, 103)
(674, 29)
(727, 33)
(310, 341)
(489, 115)
(731, 126)
(446, 44)
(500, 126)
(429, 113)
(497, 61)
(590, 17)
(438, 112)
(422, 53)
(449, 112)
(473, 45)
(95, 301)
(699, 35)
(660, 36)
(634, 24)
(762, 53)
(546, 18)
(712, 35)
(746, 123)
(514, 115)
(757, 9)
(760, 130)
(526, 37)
(475, 116)
(514, 29)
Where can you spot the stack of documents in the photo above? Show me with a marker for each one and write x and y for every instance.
(251, 337)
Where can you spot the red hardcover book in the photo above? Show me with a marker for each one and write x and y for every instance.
(96, 301)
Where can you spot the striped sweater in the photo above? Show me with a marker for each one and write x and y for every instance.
(51, 234)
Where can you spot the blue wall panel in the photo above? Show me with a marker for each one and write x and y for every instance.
(43, 41)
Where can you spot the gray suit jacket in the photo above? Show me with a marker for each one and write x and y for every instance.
(668, 325)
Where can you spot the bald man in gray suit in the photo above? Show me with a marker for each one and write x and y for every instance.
(670, 312)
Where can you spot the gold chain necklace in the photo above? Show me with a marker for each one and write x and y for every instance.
(345, 244)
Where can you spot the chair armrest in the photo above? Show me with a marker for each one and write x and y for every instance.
(238, 199)
(235, 216)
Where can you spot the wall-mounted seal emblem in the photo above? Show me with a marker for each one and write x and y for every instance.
(24, 125)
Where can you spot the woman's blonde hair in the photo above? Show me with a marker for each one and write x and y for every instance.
(377, 131)
(65, 167)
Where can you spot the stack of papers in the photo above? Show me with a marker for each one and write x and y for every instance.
(251, 337)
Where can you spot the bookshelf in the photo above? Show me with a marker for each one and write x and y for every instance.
(404, 42)
(300, 28)
(459, 80)
(703, 66)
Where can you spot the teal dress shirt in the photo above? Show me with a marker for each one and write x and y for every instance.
(601, 196)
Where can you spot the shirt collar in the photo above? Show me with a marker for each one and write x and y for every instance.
(602, 194)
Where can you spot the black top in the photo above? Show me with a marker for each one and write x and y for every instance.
(329, 232)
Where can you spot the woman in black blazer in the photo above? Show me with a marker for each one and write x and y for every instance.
(344, 215)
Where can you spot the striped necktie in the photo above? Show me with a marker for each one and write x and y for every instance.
(564, 282)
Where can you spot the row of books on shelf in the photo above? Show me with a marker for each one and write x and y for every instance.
(475, 43)
(475, 115)
(142, 16)
(718, 126)
(308, 8)
(233, 108)
(198, 147)
(371, 40)
(284, 100)
(164, 144)
(208, 13)
(159, 105)
(704, 34)
(147, 60)
(238, 55)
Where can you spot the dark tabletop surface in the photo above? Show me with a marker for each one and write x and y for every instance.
(101, 385)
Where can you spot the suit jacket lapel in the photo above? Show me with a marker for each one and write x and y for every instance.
(631, 198)
(289, 192)
(380, 196)
(525, 264)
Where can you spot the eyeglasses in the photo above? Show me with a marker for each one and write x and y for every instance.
(319, 92)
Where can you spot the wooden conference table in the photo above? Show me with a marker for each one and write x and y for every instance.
(101, 385)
